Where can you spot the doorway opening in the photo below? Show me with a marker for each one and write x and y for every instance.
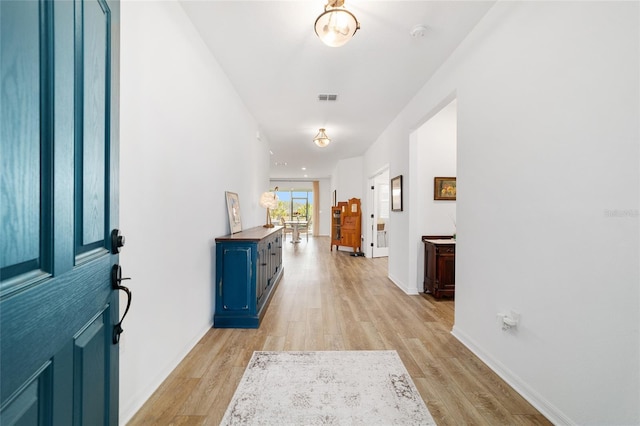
(433, 155)
(379, 217)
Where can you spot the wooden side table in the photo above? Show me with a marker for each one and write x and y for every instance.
(439, 266)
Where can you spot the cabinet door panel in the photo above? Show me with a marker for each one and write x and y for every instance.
(261, 277)
(237, 269)
(447, 272)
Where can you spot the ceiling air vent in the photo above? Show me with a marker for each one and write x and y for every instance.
(327, 97)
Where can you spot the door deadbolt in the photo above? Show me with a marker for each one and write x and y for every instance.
(117, 241)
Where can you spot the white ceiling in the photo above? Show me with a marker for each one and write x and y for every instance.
(273, 58)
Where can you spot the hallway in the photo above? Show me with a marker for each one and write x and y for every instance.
(328, 300)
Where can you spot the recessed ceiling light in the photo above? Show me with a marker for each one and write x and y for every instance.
(304, 168)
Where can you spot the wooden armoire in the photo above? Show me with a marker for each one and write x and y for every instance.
(349, 232)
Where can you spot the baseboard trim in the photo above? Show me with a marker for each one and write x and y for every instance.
(134, 404)
(552, 413)
(409, 291)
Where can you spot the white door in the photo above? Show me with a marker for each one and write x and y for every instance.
(380, 215)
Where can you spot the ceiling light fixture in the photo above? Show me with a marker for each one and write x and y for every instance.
(321, 139)
(418, 31)
(336, 25)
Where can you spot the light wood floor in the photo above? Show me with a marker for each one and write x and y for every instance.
(328, 300)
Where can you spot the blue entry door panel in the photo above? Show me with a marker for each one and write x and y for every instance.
(20, 77)
(58, 198)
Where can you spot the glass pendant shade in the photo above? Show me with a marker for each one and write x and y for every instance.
(336, 26)
(321, 139)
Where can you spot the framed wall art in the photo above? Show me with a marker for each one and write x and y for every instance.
(233, 208)
(396, 194)
(444, 188)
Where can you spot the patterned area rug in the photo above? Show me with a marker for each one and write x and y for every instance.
(326, 388)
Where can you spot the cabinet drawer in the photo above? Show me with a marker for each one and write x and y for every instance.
(445, 249)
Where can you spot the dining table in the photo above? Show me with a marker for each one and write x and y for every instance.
(295, 226)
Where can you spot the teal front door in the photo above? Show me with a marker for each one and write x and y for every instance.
(59, 204)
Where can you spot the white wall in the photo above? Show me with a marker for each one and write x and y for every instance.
(326, 200)
(185, 139)
(548, 201)
(347, 179)
(435, 151)
(382, 154)
(437, 157)
(388, 150)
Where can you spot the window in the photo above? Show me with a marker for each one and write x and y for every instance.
(293, 203)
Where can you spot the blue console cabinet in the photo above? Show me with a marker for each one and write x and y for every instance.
(248, 268)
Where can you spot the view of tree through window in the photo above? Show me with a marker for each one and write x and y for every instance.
(291, 204)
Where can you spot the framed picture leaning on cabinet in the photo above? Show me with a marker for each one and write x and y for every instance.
(233, 208)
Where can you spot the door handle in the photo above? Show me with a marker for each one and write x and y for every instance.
(116, 279)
